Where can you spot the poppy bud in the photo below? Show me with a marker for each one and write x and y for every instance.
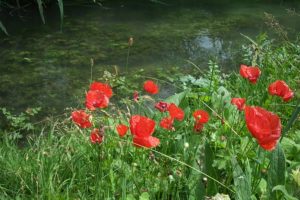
(130, 41)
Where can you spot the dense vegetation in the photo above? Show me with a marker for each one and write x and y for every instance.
(209, 145)
(221, 160)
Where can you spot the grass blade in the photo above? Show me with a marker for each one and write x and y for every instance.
(61, 11)
(2, 27)
(41, 10)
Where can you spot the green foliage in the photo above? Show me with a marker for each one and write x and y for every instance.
(16, 126)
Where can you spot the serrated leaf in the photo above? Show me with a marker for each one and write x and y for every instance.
(144, 196)
(282, 189)
(276, 173)
(242, 186)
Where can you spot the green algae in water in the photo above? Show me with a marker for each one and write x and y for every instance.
(42, 66)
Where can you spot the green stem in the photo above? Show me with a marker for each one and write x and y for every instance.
(292, 120)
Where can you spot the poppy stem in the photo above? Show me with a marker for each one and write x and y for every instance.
(292, 120)
(127, 59)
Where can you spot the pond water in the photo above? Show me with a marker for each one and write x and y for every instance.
(43, 66)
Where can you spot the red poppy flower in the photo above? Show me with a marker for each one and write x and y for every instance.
(198, 126)
(176, 112)
(102, 87)
(148, 142)
(96, 99)
(162, 106)
(136, 96)
(265, 126)
(122, 130)
(239, 103)
(96, 136)
(81, 118)
(250, 73)
(150, 87)
(141, 126)
(167, 123)
(280, 88)
(201, 116)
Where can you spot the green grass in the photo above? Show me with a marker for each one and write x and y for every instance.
(61, 163)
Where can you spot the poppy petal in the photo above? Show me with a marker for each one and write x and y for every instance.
(122, 130)
(264, 125)
(148, 142)
(176, 112)
(167, 123)
(239, 103)
(201, 116)
(162, 106)
(150, 87)
(141, 126)
(102, 87)
(81, 118)
(249, 72)
(96, 99)
(281, 89)
(96, 136)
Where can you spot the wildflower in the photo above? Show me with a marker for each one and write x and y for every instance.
(102, 88)
(167, 123)
(81, 118)
(281, 89)
(239, 103)
(122, 130)
(176, 112)
(150, 87)
(162, 106)
(142, 128)
(96, 136)
(263, 125)
(250, 73)
(96, 99)
(201, 116)
(136, 96)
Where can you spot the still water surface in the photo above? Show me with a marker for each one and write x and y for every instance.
(42, 66)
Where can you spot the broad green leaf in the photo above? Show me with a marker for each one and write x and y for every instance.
(296, 176)
(282, 189)
(2, 27)
(177, 98)
(242, 186)
(276, 173)
(41, 10)
(211, 188)
(130, 197)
